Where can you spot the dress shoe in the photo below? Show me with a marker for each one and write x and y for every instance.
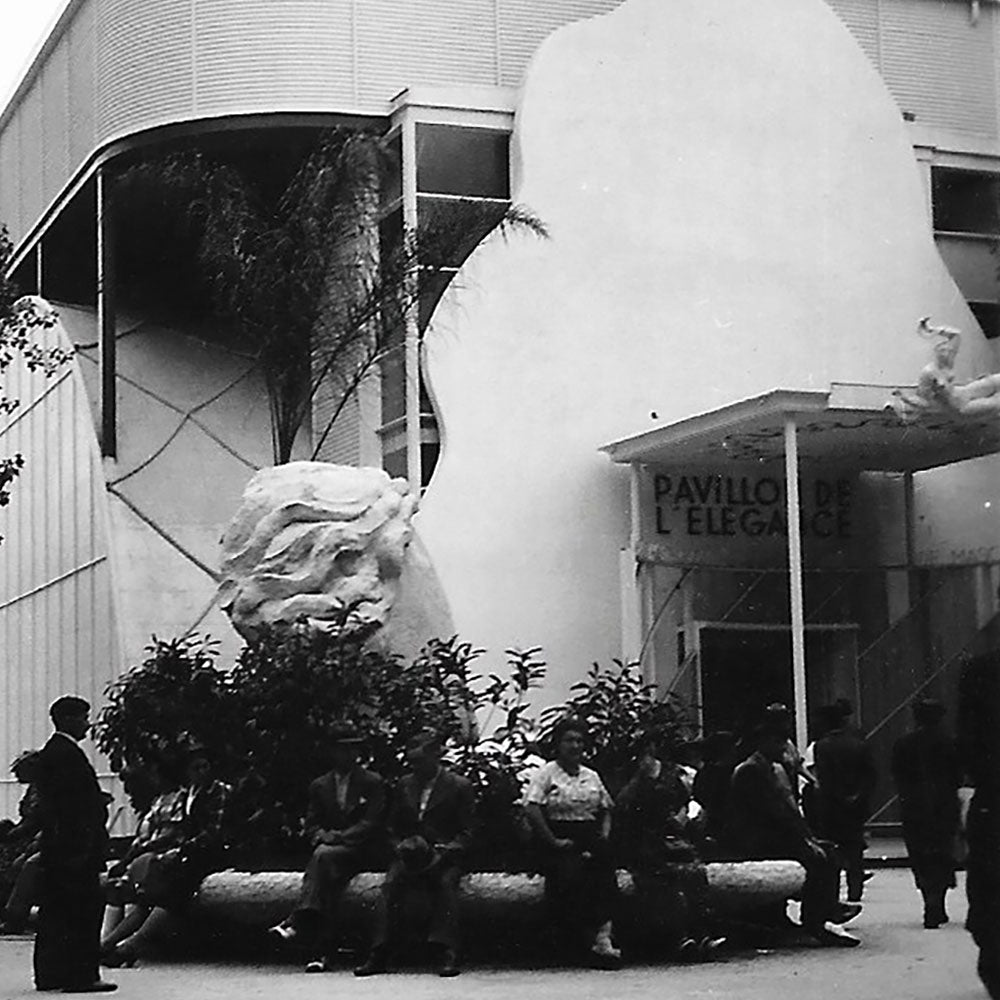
(844, 913)
(708, 947)
(376, 964)
(831, 936)
(99, 986)
(116, 956)
(319, 965)
(448, 966)
(282, 933)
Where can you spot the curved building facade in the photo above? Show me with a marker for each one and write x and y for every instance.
(138, 451)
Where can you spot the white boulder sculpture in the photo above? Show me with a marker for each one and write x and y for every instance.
(311, 538)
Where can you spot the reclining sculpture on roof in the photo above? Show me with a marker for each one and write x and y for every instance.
(937, 391)
(310, 539)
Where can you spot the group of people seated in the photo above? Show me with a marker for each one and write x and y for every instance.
(178, 841)
(742, 801)
(662, 825)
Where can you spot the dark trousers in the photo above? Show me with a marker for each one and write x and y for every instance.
(982, 884)
(581, 884)
(24, 892)
(67, 939)
(675, 887)
(327, 874)
(820, 892)
(437, 888)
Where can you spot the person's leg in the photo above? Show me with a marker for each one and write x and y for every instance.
(329, 870)
(158, 925)
(135, 916)
(388, 910)
(820, 894)
(23, 894)
(443, 927)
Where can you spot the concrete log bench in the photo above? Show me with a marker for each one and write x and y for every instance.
(495, 906)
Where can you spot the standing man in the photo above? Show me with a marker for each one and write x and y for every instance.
(926, 769)
(344, 824)
(845, 772)
(431, 825)
(979, 743)
(73, 847)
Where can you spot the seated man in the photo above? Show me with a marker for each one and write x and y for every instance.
(767, 824)
(344, 826)
(430, 826)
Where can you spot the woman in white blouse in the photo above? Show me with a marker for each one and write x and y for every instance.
(570, 812)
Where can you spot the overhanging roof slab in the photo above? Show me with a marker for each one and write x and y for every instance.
(848, 426)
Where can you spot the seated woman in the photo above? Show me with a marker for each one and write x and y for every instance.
(570, 812)
(651, 830)
(19, 858)
(179, 841)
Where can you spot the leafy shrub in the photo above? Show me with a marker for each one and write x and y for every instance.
(266, 722)
(176, 697)
(620, 709)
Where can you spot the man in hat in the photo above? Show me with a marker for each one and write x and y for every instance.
(926, 769)
(344, 825)
(430, 826)
(767, 824)
(73, 846)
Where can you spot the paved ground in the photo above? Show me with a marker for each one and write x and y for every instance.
(898, 961)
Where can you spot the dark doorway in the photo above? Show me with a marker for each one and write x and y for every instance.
(745, 669)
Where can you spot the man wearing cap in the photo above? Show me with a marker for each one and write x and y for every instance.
(72, 847)
(430, 826)
(344, 823)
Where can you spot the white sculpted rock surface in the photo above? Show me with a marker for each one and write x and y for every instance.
(310, 538)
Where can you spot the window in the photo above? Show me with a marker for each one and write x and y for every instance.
(463, 190)
(965, 201)
(966, 211)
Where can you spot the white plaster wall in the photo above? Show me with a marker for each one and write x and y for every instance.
(733, 207)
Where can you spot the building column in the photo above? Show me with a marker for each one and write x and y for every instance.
(106, 288)
(411, 350)
(795, 582)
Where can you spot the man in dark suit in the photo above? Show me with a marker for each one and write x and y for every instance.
(431, 826)
(979, 745)
(767, 824)
(344, 824)
(926, 769)
(73, 847)
(845, 772)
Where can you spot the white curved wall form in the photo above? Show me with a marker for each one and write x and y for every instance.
(57, 621)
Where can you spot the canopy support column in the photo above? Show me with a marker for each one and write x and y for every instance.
(795, 580)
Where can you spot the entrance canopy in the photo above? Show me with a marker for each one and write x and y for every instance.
(848, 426)
(845, 426)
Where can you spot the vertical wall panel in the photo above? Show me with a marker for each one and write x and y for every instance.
(295, 55)
(145, 70)
(939, 64)
(56, 616)
(525, 24)
(30, 148)
(861, 18)
(10, 197)
(424, 42)
(55, 121)
(82, 84)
